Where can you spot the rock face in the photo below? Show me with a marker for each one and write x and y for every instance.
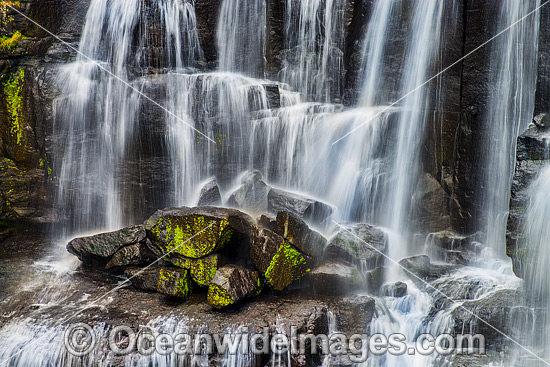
(174, 282)
(100, 248)
(454, 248)
(195, 232)
(360, 244)
(308, 209)
(210, 194)
(252, 195)
(423, 268)
(298, 233)
(532, 155)
(232, 284)
(280, 262)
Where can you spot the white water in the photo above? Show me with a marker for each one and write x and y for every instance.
(509, 111)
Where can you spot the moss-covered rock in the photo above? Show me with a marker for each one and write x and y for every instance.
(298, 233)
(233, 284)
(202, 270)
(280, 262)
(195, 232)
(174, 282)
(99, 249)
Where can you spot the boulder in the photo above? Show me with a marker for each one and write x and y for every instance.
(334, 279)
(251, 195)
(398, 289)
(423, 268)
(135, 254)
(359, 244)
(453, 248)
(145, 279)
(232, 284)
(202, 270)
(280, 262)
(210, 194)
(267, 221)
(297, 232)
(195, 232)
(542, 121)
(174, 282)
(311, 210)
(99, 249)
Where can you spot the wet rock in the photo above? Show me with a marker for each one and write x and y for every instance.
(433, 205)
(273, 96)
(145, 279)
(202, 270)
(252, 195)
(280, 262)
(195, 232)
(310, 210)
(210, 194)
(267, 221)
(334, 279)
(532, 155)
(98, 249)
(359, 244)
(174, 282)
(298, 233)
(398, 289)
(135, 254)
(232, 284)
(423, 268)
(453, 248)
(542, 121)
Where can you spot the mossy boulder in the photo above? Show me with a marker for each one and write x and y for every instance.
(99, 249)
(298, 233)
(174, 282)
(233, 284)
(280, 262)
(195, 232)
(202, 270)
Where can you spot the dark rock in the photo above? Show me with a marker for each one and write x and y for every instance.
(542, 121)
(423, 268)
(195, 232)
(280, 262)
(210, 194)
(364, 246)
(310, 210)
(398, 289)
(174, 282)
(453, 248)
(433, 205)
(334, 279)
(145, 279)
(202, 270)
(99, 249)
(232, 284)
(135, 254)
(273, 96)
(298, 233)
(252, 195)
(268, 221)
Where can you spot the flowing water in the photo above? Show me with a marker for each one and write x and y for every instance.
(123, 156)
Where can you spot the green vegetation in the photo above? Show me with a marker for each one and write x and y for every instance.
(13, 92)
(217, 297)
(287, 266)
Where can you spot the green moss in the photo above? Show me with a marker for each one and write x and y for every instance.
(9, 43)
(13, 92)
(287, 266)
(193, 236)
(202, 270)
(217, 297)
(174, 283)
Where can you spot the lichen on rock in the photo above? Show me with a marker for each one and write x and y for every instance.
(13, 92)
(174, 282)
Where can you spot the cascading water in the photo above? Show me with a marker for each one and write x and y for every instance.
(510, 109)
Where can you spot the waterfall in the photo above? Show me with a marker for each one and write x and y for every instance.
(314, 37)
(241, 36)
(512, 82)
(96, 114)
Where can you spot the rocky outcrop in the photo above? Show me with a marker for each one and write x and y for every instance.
(532, 155)
(398, 289)
(310, 210)
(420, 268)
(297, 232)
(232, 284)
(99, 249)
(335, 279)
(454, 248)
(360, 244)
(252, 195)
(210, 194)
